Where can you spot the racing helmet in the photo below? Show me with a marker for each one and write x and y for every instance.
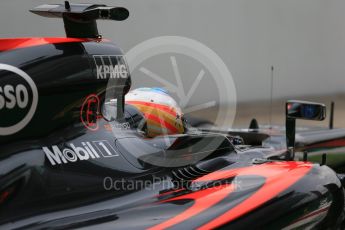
(160, 112)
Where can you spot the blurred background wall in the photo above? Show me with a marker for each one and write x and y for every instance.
(303, 39)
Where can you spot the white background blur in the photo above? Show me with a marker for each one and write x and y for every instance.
(303, 39)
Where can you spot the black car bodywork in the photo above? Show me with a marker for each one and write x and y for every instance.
(69, 167)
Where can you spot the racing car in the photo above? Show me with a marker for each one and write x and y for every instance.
(80, 149)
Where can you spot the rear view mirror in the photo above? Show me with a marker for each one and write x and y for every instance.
(300, 110)
(305, 110)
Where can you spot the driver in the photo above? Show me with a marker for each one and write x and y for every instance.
(162, 115)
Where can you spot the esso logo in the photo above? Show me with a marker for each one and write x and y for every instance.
(12, 96)
(18, 99)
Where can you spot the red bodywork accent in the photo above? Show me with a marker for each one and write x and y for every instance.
(170, 192)
(329, 144)
(279, 176)
(88, 115)
(4, 196)
(315, 213)
(204, 199)
(17, 43)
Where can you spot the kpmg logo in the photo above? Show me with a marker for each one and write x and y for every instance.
(110, 66)
(87, 150)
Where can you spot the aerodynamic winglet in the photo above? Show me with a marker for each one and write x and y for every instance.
(80, 19)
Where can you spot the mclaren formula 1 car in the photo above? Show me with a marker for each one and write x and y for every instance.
(81, 150)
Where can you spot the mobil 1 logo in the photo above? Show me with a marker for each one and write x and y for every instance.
(110, 67)
(73, 152)
(18, 99)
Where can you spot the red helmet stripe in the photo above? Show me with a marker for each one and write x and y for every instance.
(161, 122)
(164, 108)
